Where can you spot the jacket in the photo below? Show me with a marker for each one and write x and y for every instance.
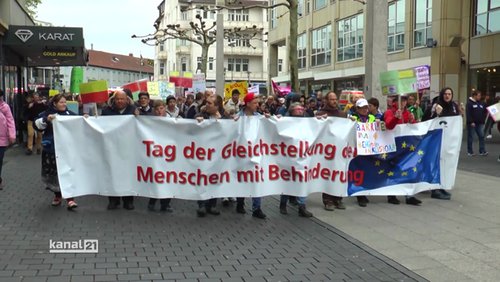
(42, 124)
(475, 111)
(391, 121)
(332, 112)
(111, 111)
(7, 125)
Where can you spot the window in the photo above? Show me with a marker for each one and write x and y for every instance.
(273, 15)
(423, 22)
(280, 65)
(321, 46)
(237, 64)
(206, 13)
(211, 63)
(162, 68)
(302, 50)
(396, 26)
(350, 38)
(183, 42)
(162, 47)
(198, 63)
(242, 43)
(184, 15)
(318, 4)
(183, 64)
(238, 15)
(487, 16)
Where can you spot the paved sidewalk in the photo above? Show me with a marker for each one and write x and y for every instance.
(142, 245)
(457, 240)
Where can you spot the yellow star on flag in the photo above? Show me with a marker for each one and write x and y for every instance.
(412, 148)
(403, 145)
(384, 156)
(377, 163)
(390, 173)
(404, 173)
(381, 171)
(415, 169)
(420, 152)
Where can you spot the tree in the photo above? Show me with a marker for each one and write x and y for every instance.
(292, 6)
(199, 32)
(31, 6)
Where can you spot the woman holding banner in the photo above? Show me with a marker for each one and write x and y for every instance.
(445, 107)
(57, 107)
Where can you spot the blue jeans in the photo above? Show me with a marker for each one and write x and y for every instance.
(2, 153)
(256, 202)
(479, 129)
(300, 200)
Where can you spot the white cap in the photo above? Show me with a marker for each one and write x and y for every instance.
(361, 103)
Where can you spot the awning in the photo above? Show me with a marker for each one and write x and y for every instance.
(39, 46)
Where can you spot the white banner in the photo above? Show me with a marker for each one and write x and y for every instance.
(163, 158)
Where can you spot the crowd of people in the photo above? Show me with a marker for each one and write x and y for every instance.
(207, 105)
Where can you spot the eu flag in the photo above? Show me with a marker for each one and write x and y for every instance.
(416, 160)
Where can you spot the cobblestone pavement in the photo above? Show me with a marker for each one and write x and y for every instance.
(142, 245)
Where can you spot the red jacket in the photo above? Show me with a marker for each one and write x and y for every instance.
(391, 121)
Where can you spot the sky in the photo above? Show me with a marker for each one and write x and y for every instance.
(107, 24)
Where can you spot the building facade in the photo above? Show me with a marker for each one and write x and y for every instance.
(459, 39)
(244, 59)
(116, 69)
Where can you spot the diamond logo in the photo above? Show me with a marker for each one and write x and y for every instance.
(23, 34)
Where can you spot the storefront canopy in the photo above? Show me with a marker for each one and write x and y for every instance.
(38, 46)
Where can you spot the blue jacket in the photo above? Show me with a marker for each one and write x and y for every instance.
(475, 111)
(42, 124)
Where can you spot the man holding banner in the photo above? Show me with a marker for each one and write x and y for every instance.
(399, 114)
(331, 108)
(120, 104)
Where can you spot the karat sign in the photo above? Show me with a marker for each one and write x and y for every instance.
(58, 54)
(56, 36)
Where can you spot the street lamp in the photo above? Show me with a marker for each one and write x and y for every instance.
(248, 73)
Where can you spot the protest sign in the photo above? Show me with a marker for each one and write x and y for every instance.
(252, 157)
(94, 91)
(371, 140)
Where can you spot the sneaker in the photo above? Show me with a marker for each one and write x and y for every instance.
(258, 214)
(413, 201)
(470, 154)
(38, 151)
(241, 209)
(29, 152)
(56, 201)
(484, 154)
(213, 211)
(489, 136)
(293, 201)
(362, 201)
(329, 207)
(167, 208)
(72, 205)
(201, 212)
(225, 202)
(339, 205)
(440, 194)
(303, 212)
(283, 209)
(393, 200)
(128, 206)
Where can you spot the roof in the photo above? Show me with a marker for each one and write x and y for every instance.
(120, 62)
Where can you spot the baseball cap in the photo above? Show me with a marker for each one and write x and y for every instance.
(361, 103)
(249, 97)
